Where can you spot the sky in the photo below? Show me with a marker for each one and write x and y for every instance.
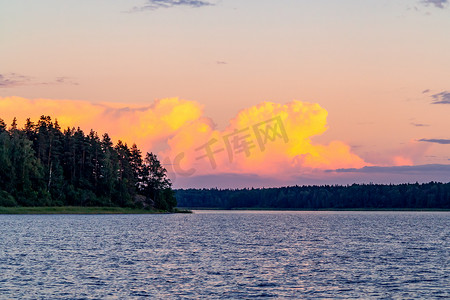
(242, 93)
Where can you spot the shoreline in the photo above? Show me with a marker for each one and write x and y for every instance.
(79, 210)
(99, 210)
(321, 209)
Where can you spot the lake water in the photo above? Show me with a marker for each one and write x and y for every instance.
(226, 255)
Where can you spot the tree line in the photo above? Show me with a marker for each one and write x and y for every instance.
(43, 165)
(369, 196)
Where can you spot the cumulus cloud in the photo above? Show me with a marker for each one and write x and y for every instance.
(147, 125)
(441, 98)
(156, 4)
(436, 3)
(437, 141)
(269, 139)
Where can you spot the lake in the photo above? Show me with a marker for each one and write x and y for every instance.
(226, 255)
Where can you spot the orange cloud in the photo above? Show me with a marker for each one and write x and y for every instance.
(266, 139)
(411, 153)
(148, 126)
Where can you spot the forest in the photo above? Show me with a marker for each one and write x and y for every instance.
(431, 195)
(43, 165)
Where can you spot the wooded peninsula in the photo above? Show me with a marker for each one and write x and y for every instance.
(42, 165)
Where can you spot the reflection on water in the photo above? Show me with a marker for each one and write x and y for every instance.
(216, 254)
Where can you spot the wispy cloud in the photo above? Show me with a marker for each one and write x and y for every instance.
(436, 141)
(441, 98)
(397, 169)
(11, 80)
(156, 4)
(419, 124)
(64, 80)
(436, 3)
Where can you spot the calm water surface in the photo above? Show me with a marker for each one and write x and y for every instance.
(227, 255)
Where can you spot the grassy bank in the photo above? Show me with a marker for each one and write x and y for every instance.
(75, 210)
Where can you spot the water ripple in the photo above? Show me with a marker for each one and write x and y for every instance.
(223, 255)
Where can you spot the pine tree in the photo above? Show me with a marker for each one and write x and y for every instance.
(108, 168)
(14, 124)
(2, 126)
(155, 182)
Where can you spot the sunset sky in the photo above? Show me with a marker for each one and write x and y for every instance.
(281, 92)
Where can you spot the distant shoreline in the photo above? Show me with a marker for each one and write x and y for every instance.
(321, 209)
(79, 210)
(407, 196)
